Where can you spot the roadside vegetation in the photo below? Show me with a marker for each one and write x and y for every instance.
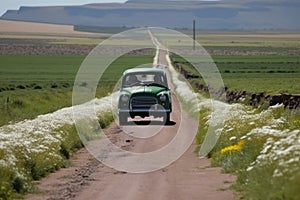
(31, 153)
(259, 145)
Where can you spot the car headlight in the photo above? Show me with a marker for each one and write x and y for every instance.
(124, 98)
(163, 98)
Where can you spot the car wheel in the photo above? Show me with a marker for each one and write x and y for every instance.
(167, 118)
(123, 119)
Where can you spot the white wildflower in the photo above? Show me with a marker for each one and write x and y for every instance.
(249, 168)
(233, 138)
(277, 173)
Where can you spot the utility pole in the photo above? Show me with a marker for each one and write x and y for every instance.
(194, 34)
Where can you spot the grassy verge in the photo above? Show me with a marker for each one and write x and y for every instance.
(27, 163)
(262, 149)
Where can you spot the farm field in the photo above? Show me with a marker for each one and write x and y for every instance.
(253, 61)
(269, 74)
(33, 85)
(272, 74)
(246, 39)
(37, 84)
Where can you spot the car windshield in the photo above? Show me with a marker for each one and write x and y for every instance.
(142, 79)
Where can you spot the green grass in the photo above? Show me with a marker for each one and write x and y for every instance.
(34, 85)
(44, 69)
(80, 41)
(271, 74)
(104, 30)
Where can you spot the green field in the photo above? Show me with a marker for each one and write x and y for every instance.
(102, 30)
(36, 84)
(271, 74)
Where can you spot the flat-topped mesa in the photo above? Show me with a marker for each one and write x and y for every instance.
(211, 15)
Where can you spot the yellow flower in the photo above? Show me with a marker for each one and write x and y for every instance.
(296, 122)
(236, 147)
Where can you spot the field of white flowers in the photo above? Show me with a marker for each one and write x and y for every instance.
(262, 147)
(32, 148)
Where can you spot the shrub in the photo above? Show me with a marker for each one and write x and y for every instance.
(54, 86)
(21, 87)
(105, 119)
(65, 85)
(18, 185)
(37, 87)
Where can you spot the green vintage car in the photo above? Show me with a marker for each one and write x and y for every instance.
(144, 93)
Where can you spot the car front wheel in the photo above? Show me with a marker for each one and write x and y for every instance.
(167, 118)
(123, 117)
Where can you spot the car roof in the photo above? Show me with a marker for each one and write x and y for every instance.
(137, 70)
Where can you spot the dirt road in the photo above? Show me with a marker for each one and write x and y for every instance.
(187, 178)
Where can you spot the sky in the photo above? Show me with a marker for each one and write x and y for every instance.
(15, 4)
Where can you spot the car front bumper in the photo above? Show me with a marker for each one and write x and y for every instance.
(141, 110)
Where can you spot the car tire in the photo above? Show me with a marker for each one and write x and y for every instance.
(167, 118)
(123, 117)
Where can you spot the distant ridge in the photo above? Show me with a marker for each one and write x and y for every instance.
(229, 14)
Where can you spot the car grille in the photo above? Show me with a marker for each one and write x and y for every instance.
(143, 102)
